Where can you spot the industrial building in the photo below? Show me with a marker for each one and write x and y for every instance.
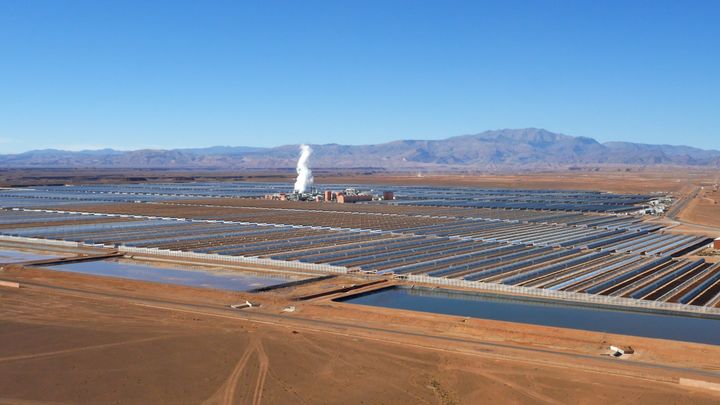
(348, 195)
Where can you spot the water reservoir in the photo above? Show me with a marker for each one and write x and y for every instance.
(543, 312)
(16, 256)
(180, 275)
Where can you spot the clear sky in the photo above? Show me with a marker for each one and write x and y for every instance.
(130, 74)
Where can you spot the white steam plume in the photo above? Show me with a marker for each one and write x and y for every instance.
(305, 178)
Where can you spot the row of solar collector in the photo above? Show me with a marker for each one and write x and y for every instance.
(493, 230)
(346, 251)
(460, 228)
(425, 256)
(603, 199)
(661, 279)
(203, 237)
(533, 233)
(571, 269)
(396, 258)
(594, 271)
(536, 194)
(169, 234)
(10, 217)
(607, 222)
(264, 244)
(35, 199)
(166, 234)
(81, 230)
(637, 277)
(570, 219)
(156, 233)
(503, 198)
(379, 253)
(613, 222)
(30, 199)
(166, 194)
(411, 191)
(574, 206)
(31, 202)
(215, 189)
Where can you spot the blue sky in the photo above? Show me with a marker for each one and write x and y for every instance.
(125, 74)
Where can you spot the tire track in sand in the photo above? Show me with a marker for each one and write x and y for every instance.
(262, 373)
(225, 395)
(79, 349)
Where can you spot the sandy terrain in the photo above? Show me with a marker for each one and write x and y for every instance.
(696, 212)
(704, 209)
(616, 179)
(71, 338)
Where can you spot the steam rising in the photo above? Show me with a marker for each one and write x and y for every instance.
(305, 178)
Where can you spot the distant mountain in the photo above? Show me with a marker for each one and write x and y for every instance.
(490, 150)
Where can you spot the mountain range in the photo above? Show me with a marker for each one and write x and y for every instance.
(489, 150)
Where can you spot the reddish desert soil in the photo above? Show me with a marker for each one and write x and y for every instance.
(616, 179)
(619, 181)
(696, 212)
(704, 209)
(22, 177)
(72, 338)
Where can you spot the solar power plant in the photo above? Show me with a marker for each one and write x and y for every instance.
(577, 241)
(431, 196)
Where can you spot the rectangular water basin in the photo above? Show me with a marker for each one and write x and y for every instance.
(180, 275)
(542, 312)
(17, 256)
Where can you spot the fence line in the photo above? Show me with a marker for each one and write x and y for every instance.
(49, 242)
(563, 295)
(324, 268)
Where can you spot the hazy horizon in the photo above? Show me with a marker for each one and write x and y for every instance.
(92, 148)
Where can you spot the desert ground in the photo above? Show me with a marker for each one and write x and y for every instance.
(704, 208)
(70, 338)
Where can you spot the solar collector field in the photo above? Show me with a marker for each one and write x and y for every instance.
(441, 196)
(555, 240)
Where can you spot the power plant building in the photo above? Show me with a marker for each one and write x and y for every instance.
(349, 195)
(344, 199)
